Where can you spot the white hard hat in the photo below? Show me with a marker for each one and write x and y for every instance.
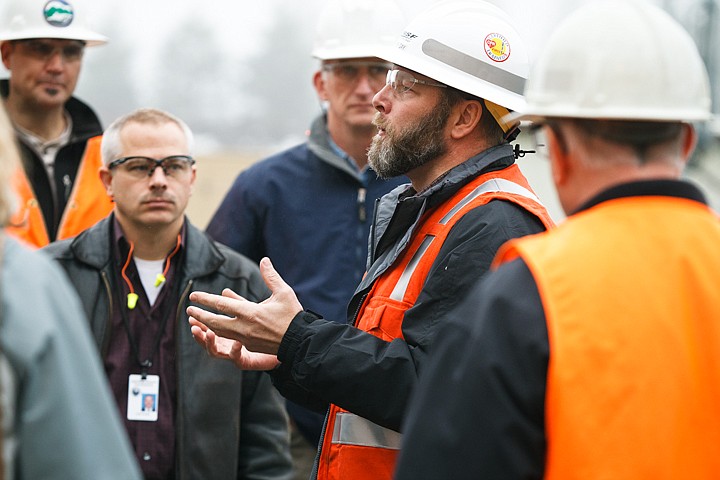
(356, 29)
(470, 45)
(621, 60)
(65, 19)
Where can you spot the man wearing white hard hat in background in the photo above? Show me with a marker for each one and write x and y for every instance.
(59, 191)
(592, 351)
(309, 208)
(441, 123)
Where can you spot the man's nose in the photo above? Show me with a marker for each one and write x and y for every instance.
(158, 177)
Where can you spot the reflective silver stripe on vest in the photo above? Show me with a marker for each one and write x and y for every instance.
(351, 429)
(492, 185)
(473, 66)
(401, 286)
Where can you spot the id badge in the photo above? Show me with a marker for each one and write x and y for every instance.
(142, 404)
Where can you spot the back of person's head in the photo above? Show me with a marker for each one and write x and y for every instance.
(61, 19)
(111, 146)
(9, 161)
(621, 69)
(349, 29)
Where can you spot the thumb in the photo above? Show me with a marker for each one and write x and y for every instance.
(272, 278)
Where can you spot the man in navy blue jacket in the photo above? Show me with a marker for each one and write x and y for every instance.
(309, 208)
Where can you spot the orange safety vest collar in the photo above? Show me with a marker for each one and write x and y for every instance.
(354, 448)
(88, 202)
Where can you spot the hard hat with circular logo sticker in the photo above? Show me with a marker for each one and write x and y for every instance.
(63, 19)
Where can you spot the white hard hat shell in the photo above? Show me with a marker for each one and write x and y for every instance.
(356, 29)
(622, 60)
(64, 19)
(470, 45)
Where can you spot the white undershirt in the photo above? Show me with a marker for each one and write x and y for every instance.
(148, 271)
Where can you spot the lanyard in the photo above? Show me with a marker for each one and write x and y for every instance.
(147, 363)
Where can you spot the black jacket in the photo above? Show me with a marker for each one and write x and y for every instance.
(325, 362)
(230, 424)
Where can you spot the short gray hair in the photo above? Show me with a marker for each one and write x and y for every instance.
(9, 163)
(111, 147)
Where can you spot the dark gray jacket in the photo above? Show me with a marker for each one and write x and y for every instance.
(230, 424)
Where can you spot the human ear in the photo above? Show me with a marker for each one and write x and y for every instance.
(319, 84)
(465, 117)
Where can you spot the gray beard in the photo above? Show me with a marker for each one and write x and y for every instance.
(403, 150)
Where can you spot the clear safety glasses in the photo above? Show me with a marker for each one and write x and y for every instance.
(44, 50)
(140, 167)
(351, 72)
(401, 81)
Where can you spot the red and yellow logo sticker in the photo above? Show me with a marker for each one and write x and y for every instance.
(497, 47)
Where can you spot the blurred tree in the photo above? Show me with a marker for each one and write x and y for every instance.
(107, 81)
(282, 100)
(195, 78)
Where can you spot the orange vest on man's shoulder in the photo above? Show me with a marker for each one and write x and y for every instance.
(353, 447)
(88, 202)
(632, 303)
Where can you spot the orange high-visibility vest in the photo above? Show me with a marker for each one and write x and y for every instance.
(88, 202)
(631, 297)
(353, 447)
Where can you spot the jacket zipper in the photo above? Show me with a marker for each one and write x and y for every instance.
(108, 333)
(373, 227)
(178, 423)
(362, 211)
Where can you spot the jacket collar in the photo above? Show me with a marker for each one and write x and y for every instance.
(319, 144)
(92, 247)
(645, 188)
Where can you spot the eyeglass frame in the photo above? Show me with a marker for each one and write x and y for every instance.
(158, 163)
(34, 47)
(391, 78)
(333, 66)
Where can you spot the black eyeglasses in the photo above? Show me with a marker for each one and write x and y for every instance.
(402, 81)
(44, 50)
(140, 167)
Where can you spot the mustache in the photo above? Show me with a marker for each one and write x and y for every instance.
(379, 121)
(155, 197)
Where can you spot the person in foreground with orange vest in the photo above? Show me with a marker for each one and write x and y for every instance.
(58, 190)
(592, 350)
(440, 123)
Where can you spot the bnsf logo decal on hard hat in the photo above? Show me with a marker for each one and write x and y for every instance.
(497, 47)
(58, 13)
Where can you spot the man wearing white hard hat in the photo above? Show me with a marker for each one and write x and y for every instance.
(459, 67)
(59, 191)
(592, 351)
(319, 196)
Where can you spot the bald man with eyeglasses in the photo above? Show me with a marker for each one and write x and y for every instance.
(133, 272)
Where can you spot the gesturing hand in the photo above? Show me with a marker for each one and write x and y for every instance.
(257, 326)
(232, 350)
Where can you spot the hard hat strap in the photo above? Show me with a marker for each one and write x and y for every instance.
(499, 113)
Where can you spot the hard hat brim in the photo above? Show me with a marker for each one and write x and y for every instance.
(89, 37)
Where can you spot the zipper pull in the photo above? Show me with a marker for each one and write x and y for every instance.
(68, 185)
(362, 213)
